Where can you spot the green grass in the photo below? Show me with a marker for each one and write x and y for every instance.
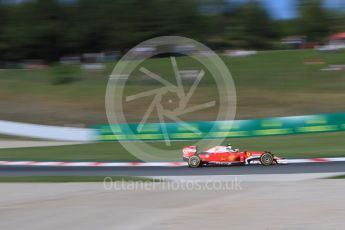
(336, 177)
(268, 84)
(274, 83)
(293, 146)
(66, 179)
(11, 137)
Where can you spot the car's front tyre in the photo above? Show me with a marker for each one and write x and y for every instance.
(194, 161)
(267, 159)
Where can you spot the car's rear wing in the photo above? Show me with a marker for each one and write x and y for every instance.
(189, 151)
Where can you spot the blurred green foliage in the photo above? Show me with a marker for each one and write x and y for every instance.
(65, 74)
(49, 29)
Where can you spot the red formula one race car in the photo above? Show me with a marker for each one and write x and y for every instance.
(226, 155)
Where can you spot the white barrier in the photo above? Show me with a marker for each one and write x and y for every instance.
(47, 132)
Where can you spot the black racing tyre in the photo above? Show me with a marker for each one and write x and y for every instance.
(194, 161)
(267, 159)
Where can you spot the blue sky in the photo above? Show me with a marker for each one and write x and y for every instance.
(285, 9)
(282, 9)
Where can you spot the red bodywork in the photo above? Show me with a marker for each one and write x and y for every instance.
(222, 155)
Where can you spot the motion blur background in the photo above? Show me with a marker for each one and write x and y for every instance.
(56, 55)
(286, 57)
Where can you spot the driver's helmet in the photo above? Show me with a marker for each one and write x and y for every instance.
(229, 146)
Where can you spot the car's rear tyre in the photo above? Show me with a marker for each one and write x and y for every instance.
(267, 159)
(194, 161)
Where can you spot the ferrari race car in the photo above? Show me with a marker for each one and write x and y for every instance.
(223, 155)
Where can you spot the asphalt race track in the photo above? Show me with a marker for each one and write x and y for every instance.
(171, 171)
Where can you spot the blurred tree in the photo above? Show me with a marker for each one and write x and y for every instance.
(32, 30)
(288, 27)
(135, 20)
(2, 24)
(314, 20)
(48, 29)
(251, 26)
(337, 19)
